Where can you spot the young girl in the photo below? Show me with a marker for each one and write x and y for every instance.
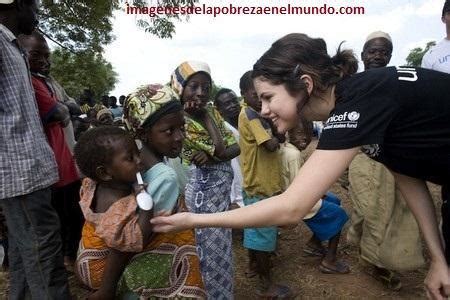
(116, 229)
(208, 149)
(398, 116)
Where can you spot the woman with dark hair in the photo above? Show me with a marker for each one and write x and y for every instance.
(397, 116)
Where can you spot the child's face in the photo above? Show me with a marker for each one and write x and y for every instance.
(125, 162)
(165, 137)
(251, 98)
(196, 93)
(228, 105)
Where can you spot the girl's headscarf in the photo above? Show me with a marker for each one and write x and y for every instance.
(148, 104)
(184, 71)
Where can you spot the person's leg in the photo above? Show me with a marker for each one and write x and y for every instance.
(72, 212)
(330, 263)
(262, 264)
(314, 247)
(18, 287)
(252, 265)
(267, 288)
(35, 228)
(446, 219)
(58, 203)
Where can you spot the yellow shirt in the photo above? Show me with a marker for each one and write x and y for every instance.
(260, 167)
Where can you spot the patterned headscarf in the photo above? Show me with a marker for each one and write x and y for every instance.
(103, 111)
(182, 73)
(148, 104)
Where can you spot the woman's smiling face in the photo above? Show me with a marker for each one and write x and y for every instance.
(277, 104)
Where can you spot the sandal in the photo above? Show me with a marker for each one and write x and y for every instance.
(276, 291)
(311, 251)
(388, 278)
(340, 267)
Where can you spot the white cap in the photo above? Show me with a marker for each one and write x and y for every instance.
(378, 34)
(6, 1)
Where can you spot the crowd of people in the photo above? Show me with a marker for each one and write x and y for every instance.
(73, 173)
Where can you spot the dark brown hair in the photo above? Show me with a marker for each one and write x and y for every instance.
(296, 54)
(94, 148)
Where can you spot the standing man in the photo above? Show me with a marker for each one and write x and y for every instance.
(27, 169)
(438, 57)
(382, 227)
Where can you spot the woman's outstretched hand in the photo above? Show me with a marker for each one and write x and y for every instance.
(437, 282)
(174, 223)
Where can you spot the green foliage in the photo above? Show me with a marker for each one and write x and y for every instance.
(414, 58)
(78, 25)
(87, 25)
(161, 26)
(84, 69)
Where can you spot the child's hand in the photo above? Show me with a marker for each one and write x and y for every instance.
(174, 223)
(193, 107)
(200, 158)
(138, 188)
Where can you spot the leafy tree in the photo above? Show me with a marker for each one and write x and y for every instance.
(414, 58)
(84, 69)
(162, 26)
(78, 25)
(87, 25)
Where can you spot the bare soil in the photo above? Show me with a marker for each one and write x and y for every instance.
(301, 273)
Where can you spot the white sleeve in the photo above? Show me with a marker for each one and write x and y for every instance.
(426, 63)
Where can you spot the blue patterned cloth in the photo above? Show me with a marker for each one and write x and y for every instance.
(208, 191)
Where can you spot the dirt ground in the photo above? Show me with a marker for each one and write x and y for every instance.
(301, 273)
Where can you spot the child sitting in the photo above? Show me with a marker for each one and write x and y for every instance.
(116, 229)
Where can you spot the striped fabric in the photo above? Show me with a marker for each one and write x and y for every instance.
(184, 71)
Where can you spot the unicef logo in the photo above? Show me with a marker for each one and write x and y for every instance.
(353, 116)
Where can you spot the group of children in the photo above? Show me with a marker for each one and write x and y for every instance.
(120, 255)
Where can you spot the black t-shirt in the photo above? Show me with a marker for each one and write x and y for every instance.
(399, 115)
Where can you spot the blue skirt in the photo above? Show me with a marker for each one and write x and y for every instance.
(329, 220)
(262, 238)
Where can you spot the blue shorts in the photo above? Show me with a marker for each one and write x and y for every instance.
(261, 239)
(329, 220)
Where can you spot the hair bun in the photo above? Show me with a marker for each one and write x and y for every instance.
(345, 61)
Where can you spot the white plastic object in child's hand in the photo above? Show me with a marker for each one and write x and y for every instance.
(143, 199)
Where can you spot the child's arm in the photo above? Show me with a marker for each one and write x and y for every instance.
(271, 145)
(221, 151)
(144, 217)
(116, 262)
